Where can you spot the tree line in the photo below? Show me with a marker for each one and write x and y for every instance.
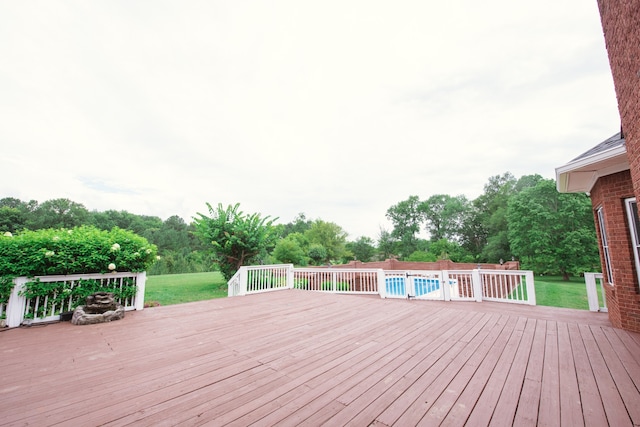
(524, 219)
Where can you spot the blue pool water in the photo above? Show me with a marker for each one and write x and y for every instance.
(422, 285)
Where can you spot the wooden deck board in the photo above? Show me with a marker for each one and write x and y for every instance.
(614, 409)
(301, 358)
(529, 399)
(570, 403)
(507, 405)
(549, 411)
(592, 404)
(460, 367)
(479, 409)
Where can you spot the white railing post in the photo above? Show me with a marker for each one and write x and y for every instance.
(592, 292)
(290, 276)
(446, 287)
(476, 278)
(600, 280)
(17, 303)
(382, 285)
(141, 281)
(243, 277)
(531, 288)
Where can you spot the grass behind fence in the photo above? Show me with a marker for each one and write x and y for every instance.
(553, 291)
(171, 289)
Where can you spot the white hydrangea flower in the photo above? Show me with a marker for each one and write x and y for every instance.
(8, 234)
(148, 251)
(49, 254)
(115, 247)
(112, 267)
(158, 257)
(56, 238)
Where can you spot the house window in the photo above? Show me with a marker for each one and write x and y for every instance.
(634, 228)
(605, 245)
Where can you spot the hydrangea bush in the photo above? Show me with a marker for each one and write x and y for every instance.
(71, 251)
(79, 250)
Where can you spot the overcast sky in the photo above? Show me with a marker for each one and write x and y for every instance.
(338, 109)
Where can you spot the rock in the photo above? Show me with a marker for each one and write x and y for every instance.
(100, 308)
(81, 317)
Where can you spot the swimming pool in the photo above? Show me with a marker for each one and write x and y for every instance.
(401, 286)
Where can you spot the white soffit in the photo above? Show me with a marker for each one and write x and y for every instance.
(581, 175)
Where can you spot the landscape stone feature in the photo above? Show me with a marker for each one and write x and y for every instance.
(100, 307)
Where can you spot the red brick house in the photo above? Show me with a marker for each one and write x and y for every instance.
(610, 172)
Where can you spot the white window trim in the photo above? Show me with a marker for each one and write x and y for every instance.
(630, 205)
(605, 244)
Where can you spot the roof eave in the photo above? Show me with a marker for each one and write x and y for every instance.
(581, 175)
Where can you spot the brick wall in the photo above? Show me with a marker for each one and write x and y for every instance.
(621, 27)
(623, 298)
(394, 264)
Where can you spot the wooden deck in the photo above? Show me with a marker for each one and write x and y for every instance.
(300, 358)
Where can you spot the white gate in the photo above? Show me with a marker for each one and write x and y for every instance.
(414, 284)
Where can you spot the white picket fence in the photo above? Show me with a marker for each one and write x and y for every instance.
(61, 299)
(461, 285)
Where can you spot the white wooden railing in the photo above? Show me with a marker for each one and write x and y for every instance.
(459, 285)
(508, 286)
(343, 280)
(49, 307)
(593, 281)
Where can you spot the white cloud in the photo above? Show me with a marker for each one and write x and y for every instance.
(335, 109)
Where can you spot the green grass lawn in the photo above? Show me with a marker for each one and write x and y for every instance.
(171, 289)
(553, 291)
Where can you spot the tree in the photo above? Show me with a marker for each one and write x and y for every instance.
(290, 251)
(173, 235)
(12, 202)
(552, 232)
(330, 236)
(444, 216)
(12, 219)
(363, 249)
(491, 208)
(300, 224)
(318, 254)
(386, 243)
(59, 213)
(235, 238)
(444, 249)
(422, 256)
(407, 218)
(473, 232)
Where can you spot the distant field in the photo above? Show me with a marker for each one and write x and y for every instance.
(171, 289)
(553, 291)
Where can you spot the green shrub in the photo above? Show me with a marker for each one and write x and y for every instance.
(79, 250)
(6, 285)
(340, 286)
(301, 283)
